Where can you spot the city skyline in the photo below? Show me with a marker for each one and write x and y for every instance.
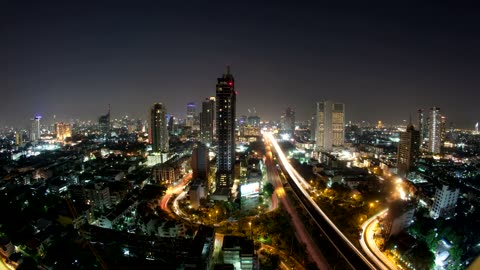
(85, 57)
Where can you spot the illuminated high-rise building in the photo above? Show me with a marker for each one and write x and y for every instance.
(207, 121)
(104, 124)
(225, 129)
(422, 125)
(434, 131)
(288, 122)
(200, 162)
(158, 128)
(445, 201)
(253, 121)
(408, 149)
(35, 130)
(330, 125)
(63, 130)
(191, 109)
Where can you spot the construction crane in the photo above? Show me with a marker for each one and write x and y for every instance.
(74, 213)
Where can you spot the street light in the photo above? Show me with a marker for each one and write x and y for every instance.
(251, 231)
(216, 215)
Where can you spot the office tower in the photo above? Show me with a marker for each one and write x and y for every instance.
(207, 120)
(408, 149)
(435, 131)
(63, 130)
(171, 124)
(288, 122)
(422, 127)
(200, 168)
(444, 201)
(191, 108)
(225, 123)
(104, 123)
(330, 125)
(253, 121)
(158, 128)
(18, 138)
(443, 128)
(35, 131)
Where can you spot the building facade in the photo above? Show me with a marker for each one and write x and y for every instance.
(35, 130)
(225, 129)
(64, 130)
(408, 150)
(330, 125)
(158, 128)
(444, 201)
(207, 121)
(434, 131)
(191, 109)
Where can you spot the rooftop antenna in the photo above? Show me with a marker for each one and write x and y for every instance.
(228, 69)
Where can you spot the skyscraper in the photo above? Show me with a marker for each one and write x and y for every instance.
(434, 131)
(200, 168)
(408, 149)
(207, 119)
(35, 131)
(330, 125)
(288, 122)
(191, 108)
(422, 127)
(63, 130)
(158, 128)
(104, 123)
(225, 122)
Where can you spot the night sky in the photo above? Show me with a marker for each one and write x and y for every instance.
(72, 60)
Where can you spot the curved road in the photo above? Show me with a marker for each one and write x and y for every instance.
(174, 190)
(370, 247)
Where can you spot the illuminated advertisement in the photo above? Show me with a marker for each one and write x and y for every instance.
(250, 189)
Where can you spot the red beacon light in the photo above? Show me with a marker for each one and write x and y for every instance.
(230, 83)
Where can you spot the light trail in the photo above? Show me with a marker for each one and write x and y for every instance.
(370, 247)
(302, 184)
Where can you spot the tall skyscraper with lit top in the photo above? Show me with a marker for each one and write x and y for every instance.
(435, 131)
(158, 128)
(225, 129)
(35, 131)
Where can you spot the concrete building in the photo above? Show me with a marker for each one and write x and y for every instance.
(35, 130)
(225, 129)
(64, 130)
(164, 173)
(98, 195)
(435, 131)
(400, 216)
(207, 121)
(330, 125)
(196, 192)
(408, 150)
(158, 128)
(444, 201)
(238, 251)
(191, 110)
(200, 162)
(288, 122)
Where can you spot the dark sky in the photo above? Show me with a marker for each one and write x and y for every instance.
(72, 60)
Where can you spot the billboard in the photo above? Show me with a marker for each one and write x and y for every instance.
(250, 189)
